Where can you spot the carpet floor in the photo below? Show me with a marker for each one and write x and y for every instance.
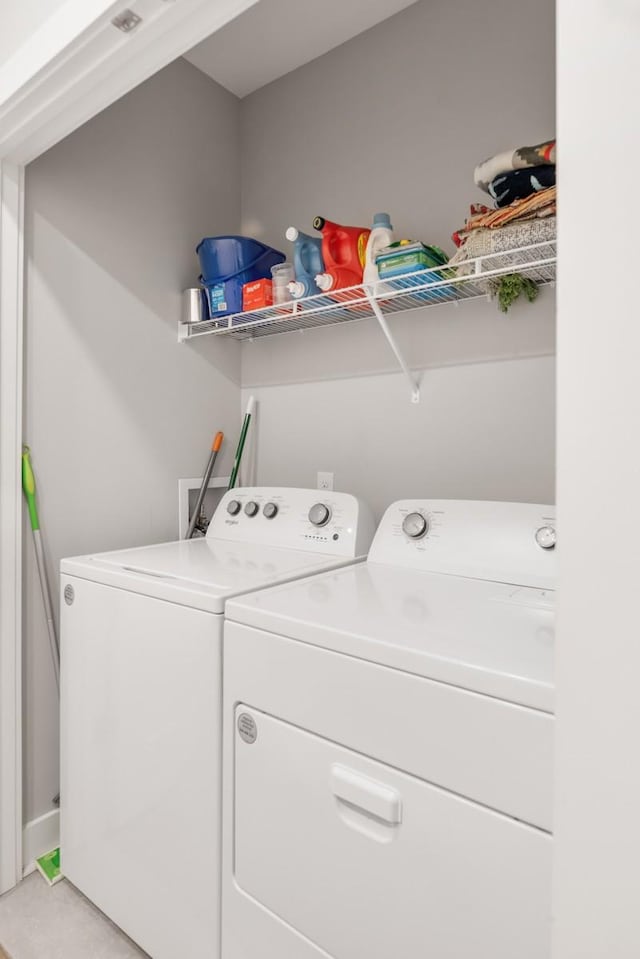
(38, 922)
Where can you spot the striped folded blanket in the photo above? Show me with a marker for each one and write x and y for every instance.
(520, 159)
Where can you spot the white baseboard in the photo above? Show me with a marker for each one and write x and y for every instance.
(39, 836)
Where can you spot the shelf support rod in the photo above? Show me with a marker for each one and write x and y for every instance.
(183, 332)
(384, 326)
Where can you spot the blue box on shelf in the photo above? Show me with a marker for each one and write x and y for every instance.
(407, 264)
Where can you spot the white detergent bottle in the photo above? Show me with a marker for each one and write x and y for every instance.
(381, 235)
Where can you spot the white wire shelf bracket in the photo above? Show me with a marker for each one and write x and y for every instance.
(468, 280)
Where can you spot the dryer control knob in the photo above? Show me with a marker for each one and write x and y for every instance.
(546, 537)
(234, 507)
(319, 514)
(415, 525)
(251, 508)
(270, 510)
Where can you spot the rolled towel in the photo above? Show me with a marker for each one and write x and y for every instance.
(544, 154)
(521, 183)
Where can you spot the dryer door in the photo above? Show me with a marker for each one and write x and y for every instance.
(364, 860)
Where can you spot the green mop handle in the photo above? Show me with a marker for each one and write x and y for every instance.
(29, 487)
(243, 437)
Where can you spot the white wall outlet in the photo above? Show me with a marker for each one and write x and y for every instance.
(325, 480)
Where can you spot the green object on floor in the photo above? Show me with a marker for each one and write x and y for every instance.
(49, 866)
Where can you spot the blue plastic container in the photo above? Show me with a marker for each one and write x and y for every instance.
(227, 263)
(307, 262)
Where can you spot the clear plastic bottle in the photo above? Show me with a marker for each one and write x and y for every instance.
(281, 275)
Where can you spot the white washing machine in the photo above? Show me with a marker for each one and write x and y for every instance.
(142, 705)
(388, 746)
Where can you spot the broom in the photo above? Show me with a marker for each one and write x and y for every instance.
(49, 864)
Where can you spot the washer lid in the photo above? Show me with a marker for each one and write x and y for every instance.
(492, 638)
(201, 573)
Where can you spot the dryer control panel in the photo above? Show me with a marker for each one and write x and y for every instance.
(319, 521)
(501, 542)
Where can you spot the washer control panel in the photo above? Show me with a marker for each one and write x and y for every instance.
(314, 520)
(501, 542)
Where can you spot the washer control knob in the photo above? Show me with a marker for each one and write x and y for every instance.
(546, 537)
(234, 507)
(415, 525)
(251, 509)
(319, 514)
(270, 510)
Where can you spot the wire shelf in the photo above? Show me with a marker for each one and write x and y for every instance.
(425, 288)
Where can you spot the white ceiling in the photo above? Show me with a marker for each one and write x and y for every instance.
(277, 36)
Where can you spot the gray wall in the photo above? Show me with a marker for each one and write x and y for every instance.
(483, 431)
(115, 410)
(396, 120)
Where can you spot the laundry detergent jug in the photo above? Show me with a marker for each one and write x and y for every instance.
(343, 251)
(381, 236)
(307, 262)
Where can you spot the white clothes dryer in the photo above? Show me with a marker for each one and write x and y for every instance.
(141, 704)
(388, 746)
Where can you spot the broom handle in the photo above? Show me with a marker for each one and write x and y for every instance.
(215, 446)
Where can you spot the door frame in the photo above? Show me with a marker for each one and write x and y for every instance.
(11, 300)
(75, 65)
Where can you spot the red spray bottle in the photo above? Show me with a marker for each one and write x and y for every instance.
(343, 252)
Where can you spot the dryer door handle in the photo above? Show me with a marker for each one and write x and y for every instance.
(372, 797)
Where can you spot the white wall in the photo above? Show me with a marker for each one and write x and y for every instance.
(115, 410)
(396, 119)
(19, 20)
(597, 825)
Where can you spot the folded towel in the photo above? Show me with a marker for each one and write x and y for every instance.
(520, 184)
(541, 204)
(543, 154)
